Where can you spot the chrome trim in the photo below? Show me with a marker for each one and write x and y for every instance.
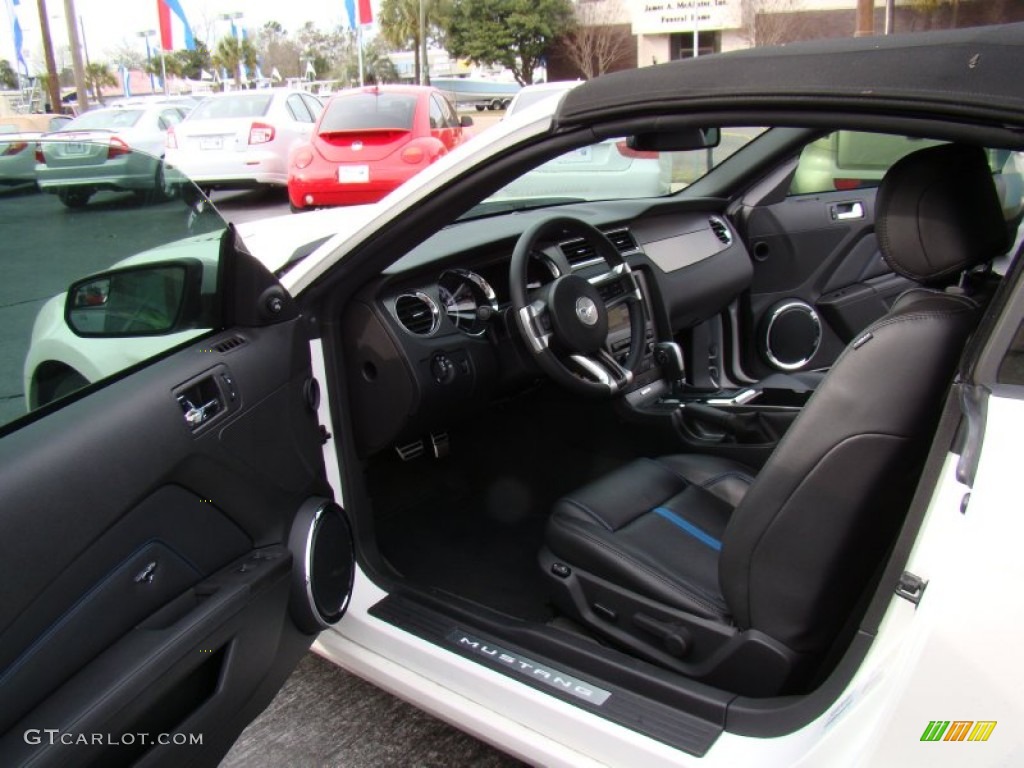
(712, 220)
(528, 318)
(307, 569)
(790, 305)
(606, 372)
(490, 297)
(435, 312)
(740, 398)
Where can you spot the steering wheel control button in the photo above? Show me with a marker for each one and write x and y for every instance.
(561, 570)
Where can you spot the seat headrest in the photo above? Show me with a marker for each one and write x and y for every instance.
(937, 213)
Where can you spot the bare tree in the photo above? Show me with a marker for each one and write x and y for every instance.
(599, 40)
(773, 22)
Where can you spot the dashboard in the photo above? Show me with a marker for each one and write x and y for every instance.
(432, 340)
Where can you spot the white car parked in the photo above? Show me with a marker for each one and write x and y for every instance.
(241, 139)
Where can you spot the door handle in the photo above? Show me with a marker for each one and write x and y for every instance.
(846, 211)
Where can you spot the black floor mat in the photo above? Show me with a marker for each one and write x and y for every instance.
(471, 524)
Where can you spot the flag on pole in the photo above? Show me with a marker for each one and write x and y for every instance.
(126, 82)
(275, 75)
(310, 71)
(357, 17)
(365, 12)
(175, 31)
(19, 37)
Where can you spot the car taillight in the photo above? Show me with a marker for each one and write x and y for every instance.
(117, 148)
(261, 133)
(40, 158)
(842, 184)
(635, 154)
(14, 148)
(302, 158)
(413, 155)
(172, 140)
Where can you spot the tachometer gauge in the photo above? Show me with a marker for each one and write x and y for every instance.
(468, 300)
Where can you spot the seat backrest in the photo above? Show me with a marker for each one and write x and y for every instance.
(805, 540)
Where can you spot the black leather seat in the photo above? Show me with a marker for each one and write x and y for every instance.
(745, 581)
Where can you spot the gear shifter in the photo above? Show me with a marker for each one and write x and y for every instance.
(669, 357)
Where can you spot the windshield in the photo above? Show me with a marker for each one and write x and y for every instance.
(235, 105)
(610, 169)
(112, 119)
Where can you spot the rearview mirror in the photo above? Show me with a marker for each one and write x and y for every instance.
(148, 300)
(677, 140)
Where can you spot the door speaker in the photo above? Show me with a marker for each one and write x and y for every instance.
(791, 334)
(323, 566)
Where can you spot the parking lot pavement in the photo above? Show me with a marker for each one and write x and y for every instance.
(325, 717)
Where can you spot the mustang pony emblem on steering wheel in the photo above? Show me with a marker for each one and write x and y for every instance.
(586, 310)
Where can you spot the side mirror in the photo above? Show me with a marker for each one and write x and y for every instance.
(153, 299)
(678, 140)
(465, 121)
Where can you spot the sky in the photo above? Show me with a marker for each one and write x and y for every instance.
(111, 23)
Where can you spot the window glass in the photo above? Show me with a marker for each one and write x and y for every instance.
(369, 111)
(451, 120)
(313, 104)
(846, 160)
(436, 115)
(60, 229)
(232, 105)
(611, 169)
(105, 119)
(297, 108)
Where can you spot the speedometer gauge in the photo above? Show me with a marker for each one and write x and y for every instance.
(468, 300)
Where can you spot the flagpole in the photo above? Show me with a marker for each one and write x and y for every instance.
(359, 42)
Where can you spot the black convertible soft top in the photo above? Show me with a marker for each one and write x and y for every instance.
(961, 74)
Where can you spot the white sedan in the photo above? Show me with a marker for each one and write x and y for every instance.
(242, 139)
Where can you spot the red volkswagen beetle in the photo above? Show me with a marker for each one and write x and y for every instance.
(370, 140)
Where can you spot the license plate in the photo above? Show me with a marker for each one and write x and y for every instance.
(211, 142)
(581, 155)
(75, 148)
(353, 174)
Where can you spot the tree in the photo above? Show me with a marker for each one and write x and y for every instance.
(328, 51)
(8, 77)
(773, 22)
(232, 53)
(191, 64)
(513, 33)
(278, 51)
(97, 77)
(378, 68)
(598, 41)
(128, 55)
(399, 22)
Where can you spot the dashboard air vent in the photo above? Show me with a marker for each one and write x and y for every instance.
(580, 253)
(226, 345)
(623, 240)
(721, 230)
(417, 313)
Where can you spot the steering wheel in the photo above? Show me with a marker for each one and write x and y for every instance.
(565, 323)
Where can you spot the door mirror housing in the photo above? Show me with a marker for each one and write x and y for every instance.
(152, 299)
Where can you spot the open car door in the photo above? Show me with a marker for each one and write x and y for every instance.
(164, 513)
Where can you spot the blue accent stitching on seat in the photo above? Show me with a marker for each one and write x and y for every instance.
(690, 528)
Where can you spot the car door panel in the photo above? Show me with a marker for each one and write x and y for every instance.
(148, 579)
(818, 254)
